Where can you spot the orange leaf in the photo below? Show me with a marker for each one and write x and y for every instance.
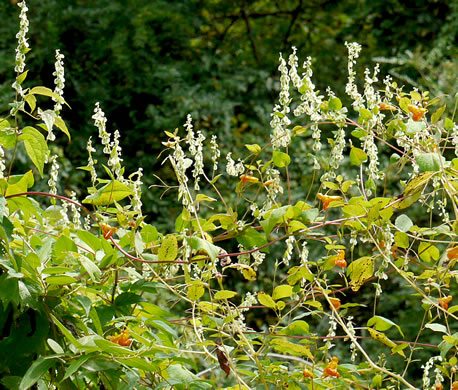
(331, 369)
(443, 302)
(122, 339)
(248, 179)
(417, 112)
(307, 373)
(335, 302)
(108, 231)
(452, 253)
(386, 107)
(327, 200)
(339, 259)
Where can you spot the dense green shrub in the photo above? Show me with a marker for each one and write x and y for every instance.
(345, 279)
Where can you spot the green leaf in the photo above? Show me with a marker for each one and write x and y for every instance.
(75, 365)
(416, 97)
(60, 280)
(364, 114)
(299, 129)
(401, 240)
(428, 252)
(283, 291)
(91, 268)
(60, 124)
(31, 101)
(429, 162)
(382, 324)
(55, 346)
(282, 345)
(35, 146)
(90, 239)
(413, 127)
(38, 368)
(63, 245)
(198, 244)
(331, 185)
(46, 92)
(224, 294)
(109, 193)
(404, 104)
(360, 270)
(204, 198)
(20, 79)
(403, 223)
(281, 159)
(251, 238)
(357, 156)
(68, 335)
(295, 274)
(19, 184)
(112, 348)
(296, 328)
(169, 249)
(448, 124)
(334, 104)
(437, 115)
(437, 328)
(149, 234)
(255, 148)
(266, 300)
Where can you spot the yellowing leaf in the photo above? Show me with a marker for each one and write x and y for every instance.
(283, 291)
(282, 345)
(428, 252)
(196, 290)
(266, 300)
(381, 337)
(169, 249)
(360, 270)
(224, 294)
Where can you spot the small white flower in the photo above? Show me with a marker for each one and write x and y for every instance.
(232, 168)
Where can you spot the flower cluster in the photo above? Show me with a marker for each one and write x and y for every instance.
(195, 148)
(180, 164)
(428, 367)
(2, 162)
(351, 88)
(59, 80)
(52, 182)
(232, 168)
(115, 160)
(100, 122)
(91, 162)
(215, 152)
(76, 219)
(136, 199)
(281, 135)
(23, 45)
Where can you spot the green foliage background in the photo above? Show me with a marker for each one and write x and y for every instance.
(150, 63)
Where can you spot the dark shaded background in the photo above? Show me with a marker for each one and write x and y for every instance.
(151, 62)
